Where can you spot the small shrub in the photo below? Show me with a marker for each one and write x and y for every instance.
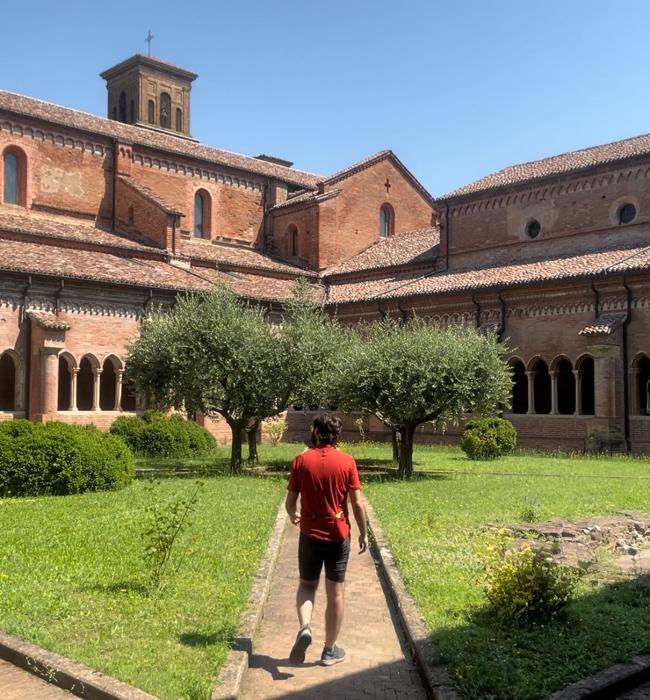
(165, 520)
(531, 512)
(488, 438)
(524, 585)
(59, 459)
(157, 435)
(275, 428)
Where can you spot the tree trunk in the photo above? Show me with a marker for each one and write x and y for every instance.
(395, 440)
(235, 450)
(251, 434)
(405, 469)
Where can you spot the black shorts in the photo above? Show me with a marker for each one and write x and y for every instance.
(312, 554)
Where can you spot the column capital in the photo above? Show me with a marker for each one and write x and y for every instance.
(577, 373)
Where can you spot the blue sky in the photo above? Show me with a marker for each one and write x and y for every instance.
(456, 89)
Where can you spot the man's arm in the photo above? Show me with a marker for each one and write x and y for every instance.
(360, 516)
(290, 504)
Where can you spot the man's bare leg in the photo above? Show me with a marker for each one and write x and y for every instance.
(305, 598)
(334, 611)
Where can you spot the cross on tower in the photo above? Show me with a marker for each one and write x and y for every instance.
(148, 39)
(387, 185)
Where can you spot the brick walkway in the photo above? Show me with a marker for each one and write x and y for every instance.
(16, 684)
(375, 666)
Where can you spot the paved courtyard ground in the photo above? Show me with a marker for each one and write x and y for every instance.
(377, 663)
(16, 684)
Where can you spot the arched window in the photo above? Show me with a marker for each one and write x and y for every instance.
(108, 386)
(85, 385)
(585, 389)
(64, 402)
(122, 106)
(642, 365)
(566, 387)
(14, 176)
(165, 110)
(386, 221)
(7, 383)
(542, 387)
(151, 112)
(519, 387)
(179, 119)
(202, 214)
(293, 241)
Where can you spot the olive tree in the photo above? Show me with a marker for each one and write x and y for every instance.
(413, 373)
(217, 354)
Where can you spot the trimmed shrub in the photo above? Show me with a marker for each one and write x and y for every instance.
(59, 459)
(488, 438)
(524, 585)
(157, 435)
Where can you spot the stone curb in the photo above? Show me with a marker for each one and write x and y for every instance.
(68, 675)
(229, 680)
(608, 683)
(438, 683)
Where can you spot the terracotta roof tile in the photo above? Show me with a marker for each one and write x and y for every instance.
(503, 276)
(412, 248)
(557, 165)
(306, 198)
(42, 227)
(237, 256)
(257, 286)
(12, 102)
(149, 194)
(603, 325)
(49, 321)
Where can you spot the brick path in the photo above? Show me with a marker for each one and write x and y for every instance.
(16, 684)
(375, 666)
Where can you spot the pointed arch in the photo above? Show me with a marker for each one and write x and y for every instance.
(108, 383)
(8, 380)
(386, 220)
(165, 110)
(202, 214)
(67, 367)
(542, 386)
(14, 176)
(585, 385)
(565, 385)
(641, 375)
(88, 367)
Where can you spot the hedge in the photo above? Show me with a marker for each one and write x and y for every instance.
(58, 459)
(157, 435)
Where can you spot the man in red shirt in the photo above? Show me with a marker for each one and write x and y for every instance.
(324, 477)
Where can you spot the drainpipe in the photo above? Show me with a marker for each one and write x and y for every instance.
(114, 196)
(596, 299)
(27, 389)
(503, 315)
(478, 310)
(57, 305)
(626, 389)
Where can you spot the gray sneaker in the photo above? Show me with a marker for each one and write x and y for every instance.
(332, 656)
(303, 640)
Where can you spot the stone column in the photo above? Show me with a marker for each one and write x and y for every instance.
(97, 373)
(50, 380)
(577, 373)
(73, 388)
(118, 389)
(554, 375)
(531, 391)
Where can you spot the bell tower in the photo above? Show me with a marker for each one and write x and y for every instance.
(148, 92)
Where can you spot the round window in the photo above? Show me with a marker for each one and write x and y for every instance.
(533, 228)
(626, 213)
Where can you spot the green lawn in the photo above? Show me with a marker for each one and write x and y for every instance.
(433, 525)
(71, 573)
(72, 577)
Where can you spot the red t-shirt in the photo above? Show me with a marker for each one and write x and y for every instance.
(323, 476)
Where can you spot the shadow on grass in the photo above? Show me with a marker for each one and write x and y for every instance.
(119, 587)
(202, 639)
(492, 660)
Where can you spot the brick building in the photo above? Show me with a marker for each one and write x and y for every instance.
(102, 219)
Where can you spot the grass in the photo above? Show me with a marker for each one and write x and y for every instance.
(434, 527)
(72, 580)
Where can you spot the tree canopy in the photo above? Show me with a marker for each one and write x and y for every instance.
(413, 373)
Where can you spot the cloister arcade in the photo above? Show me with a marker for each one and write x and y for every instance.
(86, 385)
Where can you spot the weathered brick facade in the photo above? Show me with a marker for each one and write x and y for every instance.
(102, 220)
